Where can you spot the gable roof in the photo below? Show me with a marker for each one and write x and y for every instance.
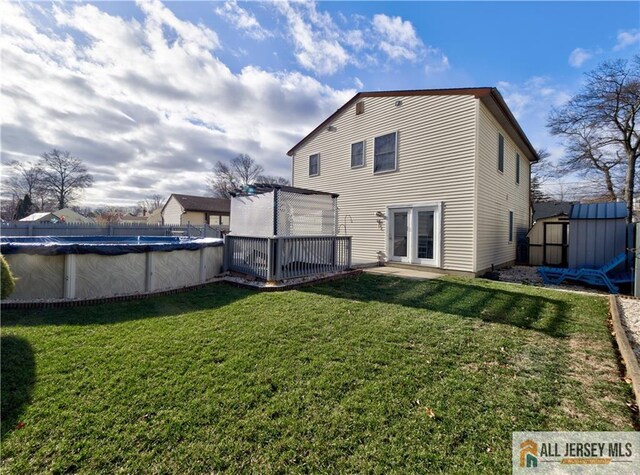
(612, 210)
(36, 216)
(488, 95)
(202, 203)
(547, 209)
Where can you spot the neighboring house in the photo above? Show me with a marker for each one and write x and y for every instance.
(549, 236)
(196, 210)
(155, 217)
(65, 215)
(438, 178)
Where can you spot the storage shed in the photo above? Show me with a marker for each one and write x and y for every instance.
(549, 241)
(598, 233)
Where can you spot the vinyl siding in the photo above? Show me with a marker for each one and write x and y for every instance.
(498, 193)
(435, 163)
(172, 212)
(197, 218)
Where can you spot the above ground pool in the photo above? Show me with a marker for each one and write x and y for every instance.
(97, 267)
(105, 245)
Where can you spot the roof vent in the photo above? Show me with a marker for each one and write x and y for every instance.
(359, 108)
(398, 103)
(332, 128)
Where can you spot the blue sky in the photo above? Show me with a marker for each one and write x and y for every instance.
(151, 94)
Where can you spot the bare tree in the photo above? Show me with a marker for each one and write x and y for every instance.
(600, 130)
(64, 176)
(272, 180)
(541, 172)
(151, 203)
(239, 172)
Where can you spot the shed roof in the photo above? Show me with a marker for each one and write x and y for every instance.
(546, 209)
(202, 203)
(490, 96)
(612, 210)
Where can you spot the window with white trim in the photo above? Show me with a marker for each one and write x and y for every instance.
(384, 155)
(314, 164)
(357, 154)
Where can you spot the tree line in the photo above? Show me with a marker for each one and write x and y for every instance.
(236, 174)
(53, 182)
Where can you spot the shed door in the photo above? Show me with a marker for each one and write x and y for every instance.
(555, 244)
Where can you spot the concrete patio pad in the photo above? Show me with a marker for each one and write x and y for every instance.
(407, 273)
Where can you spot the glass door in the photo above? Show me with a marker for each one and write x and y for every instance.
(399, 235)
(414, 234)
(425, 252)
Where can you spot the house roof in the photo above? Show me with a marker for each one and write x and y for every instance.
(202, 203)
(546, 209)
(71, 216)
(489, 95)
(259, 188)
(612, 210)
(36, 216)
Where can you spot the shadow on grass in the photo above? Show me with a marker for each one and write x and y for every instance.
(17, 377)
(468, 300)
(206, 298)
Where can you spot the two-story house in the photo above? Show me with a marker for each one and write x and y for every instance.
(438, 178)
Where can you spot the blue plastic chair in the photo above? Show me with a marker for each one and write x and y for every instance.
(594, 276)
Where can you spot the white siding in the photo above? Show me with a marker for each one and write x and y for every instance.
(197, 218)
(172, 212)
(498, 194)
(435, 162)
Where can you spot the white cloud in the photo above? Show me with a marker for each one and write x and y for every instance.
(325, 49)
(398, 38)
(145, 103)
(578, 56)
(242, 19)
(358, 83)
(627, 38)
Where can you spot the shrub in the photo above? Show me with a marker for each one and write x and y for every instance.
(7, 281)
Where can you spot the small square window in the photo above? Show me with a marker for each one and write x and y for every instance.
(314, 164)
(357, 154)
(500, 153)
(384, 158)
(517, 168)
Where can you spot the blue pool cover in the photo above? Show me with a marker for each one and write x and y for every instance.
(106, 245)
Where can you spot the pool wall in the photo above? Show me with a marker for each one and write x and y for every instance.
(92, 276)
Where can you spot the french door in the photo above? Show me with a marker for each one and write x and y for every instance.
(414, 234)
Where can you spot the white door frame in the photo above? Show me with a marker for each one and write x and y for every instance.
(391, 232)
(412, 229)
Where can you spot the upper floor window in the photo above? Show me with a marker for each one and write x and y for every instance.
(357, 154)
(500, 153)
(384, 157)
(314, 164)
(517, 168)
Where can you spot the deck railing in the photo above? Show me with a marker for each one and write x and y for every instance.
(287, 257)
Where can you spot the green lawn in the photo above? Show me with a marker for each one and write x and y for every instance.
(369, 374)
